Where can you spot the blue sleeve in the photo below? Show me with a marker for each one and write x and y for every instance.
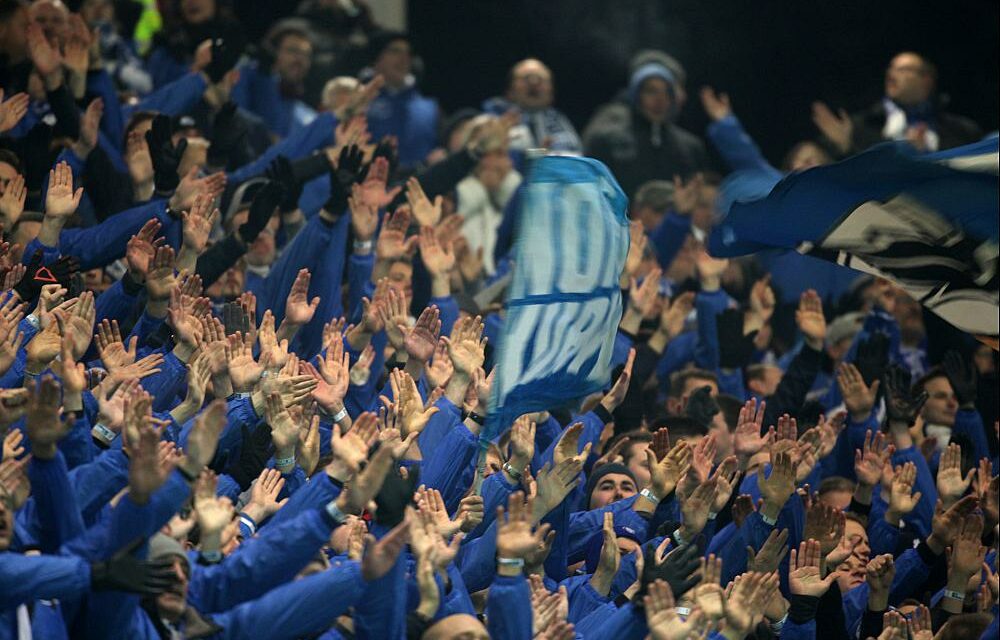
(730, 545)
(668, 237)
(55, 502)
(476, 560)
(297, 609)
(239, 413)
(104, 243)
(260, 564)
(582, 597)
(456, 600)
(163, 67)
(708, 306)
(451, 464)
(96, 482)
(508, 608)
(359, 274)
(440, 424)
(736, 147)
(381, 611)
(174, 98)
(27, 578)
(114, 303)
(558, 559)
(314, 495)
(112, 122)
(882, 536)
(795, 631)
(166, 384)
(625, 623)
(593, 425)
(920, 518)
(144, 327)
(583, 525)
(970, 423)
(449, 313)
(495, 490)
(301, 143)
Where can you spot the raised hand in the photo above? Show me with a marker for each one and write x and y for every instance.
(859, 398)
(747, 439)
(61, 200)
(837, 128)
(42, 423)
(12, 201)
(298, 309)
(804, 577)
(825, 525)
(198, 223)
(425, 212)
(413, 416)
(900, 405)
(716, 105)
(264, 495)
(13, 110)
(610, 558)
(661, 615)
(771, 553)
(421, 340)
(902, 500)
(643, 298)
(374, 190)
(616, 395)
(204, 438)
(879, 574)
(438, 256)
(516, 537)
(810, 319)
(967, 554)
(467, 346)
(872, 458)
(950, 483)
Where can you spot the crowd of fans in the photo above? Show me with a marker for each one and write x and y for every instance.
(252, 295)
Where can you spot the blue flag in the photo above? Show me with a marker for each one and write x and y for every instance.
(564, 302)
(928, 223)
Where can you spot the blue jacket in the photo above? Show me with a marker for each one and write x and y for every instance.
(410, 117)
(260, 93)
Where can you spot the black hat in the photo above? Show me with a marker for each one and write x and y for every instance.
(379, 40)
(600, 472)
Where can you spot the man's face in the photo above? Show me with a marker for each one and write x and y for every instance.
(293, 59)
(648, 216)
(7, 173)
(723, 437)
(263, 250)
(197, 11)
(839, 500)
(401, 279)
(807, 156)
(394, 63)
(654, 100)
(941, 405)
(459, 625)
(230, 285)
(635, 454)
(531, 85)
(853, 569)
(910, 317)
(612, 488)
(907, 81)
(53, 18)
(171, 603)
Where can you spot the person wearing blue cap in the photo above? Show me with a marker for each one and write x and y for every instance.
(638, 139)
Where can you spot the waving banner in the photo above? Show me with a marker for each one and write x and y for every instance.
(564, 302)
(928, 223)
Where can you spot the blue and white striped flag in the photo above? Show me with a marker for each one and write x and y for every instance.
(928, 223)
(564, 302)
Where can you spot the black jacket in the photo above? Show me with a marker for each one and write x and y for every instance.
(953, 130)
(636, 150)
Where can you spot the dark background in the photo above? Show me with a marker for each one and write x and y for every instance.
(774, 57)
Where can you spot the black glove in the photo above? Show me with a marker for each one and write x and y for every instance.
(396, 493)
(900, 405)
(165, 154)
(124, 572)
(872, 357)
(386, 148)
(702, 407)
(735, 349)
(676, 569)
(254, 454)
(265, 201)
(228, 132)
(280, 170)
(225, 55)
(234, 319)
(33, 279)
(351, 168)
(65, 269)
(962, 377)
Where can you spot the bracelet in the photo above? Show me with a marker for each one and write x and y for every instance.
(363, 246)
(33, 320)
(210, 557)
(475, 417)
(512, 471)
(648, 494)
(777, 625)
(335, 513)
(248, 522)
(768, 521)
(712, 515)
(678, 538)
(954, 595)
(102, 433)
(237, 395)
(682, 611)
(340, 415)
(511, 562)
(284, 462)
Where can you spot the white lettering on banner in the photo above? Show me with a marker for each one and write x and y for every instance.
(571, 241)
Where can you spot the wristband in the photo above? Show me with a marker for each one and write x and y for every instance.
(33, 320)
(512, 471)
(649, 495)
(954, 595)
(682, 611)
(239, 395)
(363, 246)
(777, 625)
(284, 462)
(102, 433)
(340, 415)
(678, 538)
(475, 417)
(209, 557)
(511, 562)
(335, 513)
(712, 515)
(248, 522)
(768, 521)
